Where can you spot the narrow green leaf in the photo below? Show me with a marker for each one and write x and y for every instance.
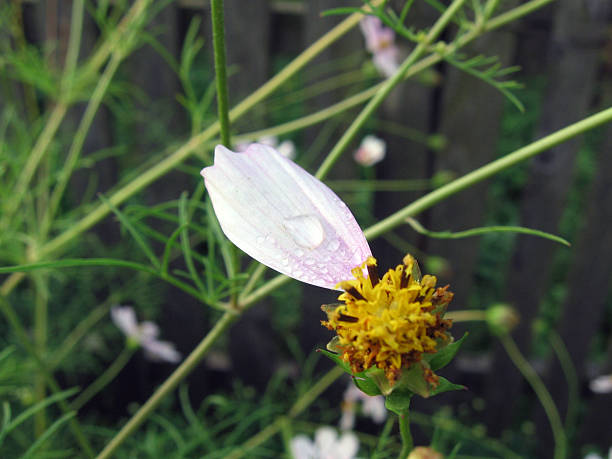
(135, 234)
(186, 244)
(340, 11)
(47, 434)
(484, 230)
(446, 386)
(168, 248)
(444, 356)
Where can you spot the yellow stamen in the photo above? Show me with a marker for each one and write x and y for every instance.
(390, 322)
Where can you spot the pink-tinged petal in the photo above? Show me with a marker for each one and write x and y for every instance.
(371, 151)
(161, 351)
(386, 61)
(283, 217)
(124, 318)
(148, 330)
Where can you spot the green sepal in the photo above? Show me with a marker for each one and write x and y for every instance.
(413, 380)
(444, 356)
(365, 381)
(446, 386)
(398, 401)
(336, 359)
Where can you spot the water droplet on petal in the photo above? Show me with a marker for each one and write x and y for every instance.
(333, 245)
(285, 261)
(260, 239)
(299, 253)
(305, 230)
(270, 239)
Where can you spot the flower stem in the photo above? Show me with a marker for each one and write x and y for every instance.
(218, 28)
(102, 381)
(169, 384)
(381, 95)
(487, 171)
(404, 428)
(541, 392)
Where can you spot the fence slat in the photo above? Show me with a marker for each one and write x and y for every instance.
(573, 61)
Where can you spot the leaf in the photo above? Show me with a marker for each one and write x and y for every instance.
(337, 360)
(446, 386)
(483, 230)
(364, 380)
(443, 357)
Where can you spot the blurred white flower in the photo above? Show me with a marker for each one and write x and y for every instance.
(380, 41)
(326, 445)
(601, 384)
(371, 406)
(285, 148)
(371, 151)
(597, 456)
(144, 334)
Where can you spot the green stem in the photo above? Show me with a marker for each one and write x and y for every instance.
(298, 407)
(466, 316)
(573, 386)
(197, 141)
(169, 384)
(404, 428)
(24, 339)
(218, 30)
(79, 138)
(541, 392)
(104, 379)
(74, 43)
(381, 95)
(40, 343)
(488, 170)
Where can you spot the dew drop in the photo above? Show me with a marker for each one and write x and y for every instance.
(270, 239)
(260, 239)
(285, 261)
(333, 245)
(299, 253)
(305, 230)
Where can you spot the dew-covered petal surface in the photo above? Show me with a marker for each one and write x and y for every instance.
(283, 217)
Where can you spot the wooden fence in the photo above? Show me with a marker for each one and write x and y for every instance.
(565, 50)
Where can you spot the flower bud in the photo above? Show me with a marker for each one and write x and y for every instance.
(501, 318)
(423, 452)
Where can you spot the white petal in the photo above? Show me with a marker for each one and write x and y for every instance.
(325, 438)
(284, 217)
(161, 351)
(148, 330)
(601, 384)
(303, 448)
(374, 407)
(347, 446)
(124, 318)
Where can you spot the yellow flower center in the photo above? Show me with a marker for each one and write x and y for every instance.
(390, 322)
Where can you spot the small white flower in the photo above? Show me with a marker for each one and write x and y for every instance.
(380, 41)
(326, 445)
(144, 334)
(371, 151)
(371, 406)
(601, 384)
(597, 456)
(285, 148)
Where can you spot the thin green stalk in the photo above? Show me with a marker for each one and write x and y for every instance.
(303, 402)
(466, 316)
(77, 334)
(197, 141)
(541, 392)
(74, 43)
(22, 335)
(218, 29)
(387, 87)
(79, 139)
(40, 342)
(104, 379)
(61, 107)
(573, 385)
(169, 384)
(404, 428)
(487, 171)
